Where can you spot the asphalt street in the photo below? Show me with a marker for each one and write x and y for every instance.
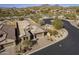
(68, 46)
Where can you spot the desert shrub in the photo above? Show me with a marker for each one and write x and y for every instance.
(70, 16)
(54, 32)
(21, 19)
(58, 24)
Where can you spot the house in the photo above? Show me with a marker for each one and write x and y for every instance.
(25, 26)
(29, 34)
(21, 26)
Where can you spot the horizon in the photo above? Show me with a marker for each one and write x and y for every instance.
(31, 5)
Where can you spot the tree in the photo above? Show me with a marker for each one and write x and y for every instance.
(58, 24)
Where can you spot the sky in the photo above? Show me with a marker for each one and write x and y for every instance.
(30, 5)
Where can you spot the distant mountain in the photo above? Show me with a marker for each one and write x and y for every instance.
(45, 5)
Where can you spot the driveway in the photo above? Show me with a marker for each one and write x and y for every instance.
(68, 46)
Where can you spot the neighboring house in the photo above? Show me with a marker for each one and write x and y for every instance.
(61, 17)
(8, 18)
(34, 11)
(7, 35)
(47, 20)
(69, 11)
(15, 18)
